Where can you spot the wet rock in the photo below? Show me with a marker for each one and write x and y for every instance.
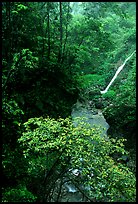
(71, 188)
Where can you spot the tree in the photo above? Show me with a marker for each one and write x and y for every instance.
(61, 32)
(52, 147)
(48, 29)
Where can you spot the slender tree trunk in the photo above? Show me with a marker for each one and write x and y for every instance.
(48, 29)
(8, 54)
(44, 31)
(64, 47)
(61, 33)
(71, 60)
(12, 70)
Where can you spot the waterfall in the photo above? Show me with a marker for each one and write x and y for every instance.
(117, 72)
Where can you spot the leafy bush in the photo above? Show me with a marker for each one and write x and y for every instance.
(11, 129)
(92, 80)
(19, 194)
(54, 146)
(12, 117)
(109, 95)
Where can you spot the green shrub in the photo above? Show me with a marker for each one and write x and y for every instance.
(19, 194)
(52, 145)
(109, 95)
(92, 80)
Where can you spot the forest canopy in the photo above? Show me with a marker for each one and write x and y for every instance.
(53, 55)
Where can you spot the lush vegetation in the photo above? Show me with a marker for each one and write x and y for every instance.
(54, 53)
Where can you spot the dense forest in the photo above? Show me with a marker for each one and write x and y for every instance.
(54, 55)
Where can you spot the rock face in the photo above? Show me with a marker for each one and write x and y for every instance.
(93, 117)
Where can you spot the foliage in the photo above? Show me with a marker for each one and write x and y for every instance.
(11, 156)
(12, 118)
(53, 53)
(19, 72)
(29, 73)
(90, 86)
(19, 194)
(109, 95)
(92, 80)
(47, 142)
(125, 102)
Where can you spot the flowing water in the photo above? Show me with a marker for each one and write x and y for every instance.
(94, 118)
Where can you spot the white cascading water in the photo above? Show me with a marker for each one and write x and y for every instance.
(117, 72)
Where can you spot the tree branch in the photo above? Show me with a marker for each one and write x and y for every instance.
(11, 70)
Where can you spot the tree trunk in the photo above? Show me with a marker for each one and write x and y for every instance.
(8, 54)
(66, 37)
(48, 29)
(61, 33)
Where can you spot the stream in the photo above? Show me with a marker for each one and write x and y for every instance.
(94, 118)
